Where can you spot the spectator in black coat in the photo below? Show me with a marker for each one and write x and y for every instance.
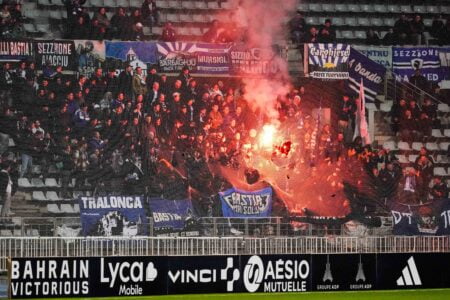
(402, 30)
(439, 189)
(126, 81)
(417, 28)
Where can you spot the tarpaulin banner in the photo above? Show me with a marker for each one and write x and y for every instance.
(90, 55)
(245, 204)
(362, 68)
(16, 50)
(55, 53)
(427, 219)
(406, 60)
(380, 54)
(213, 58)
(136, 54)
(256, 62)
(173, 56)
(113, 215)
(328, 61)
(172, 216)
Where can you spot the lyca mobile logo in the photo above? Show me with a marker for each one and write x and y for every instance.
(126, 272)
(275, 276)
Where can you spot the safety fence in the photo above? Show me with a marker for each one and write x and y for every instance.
(206, 246)
(208, 227)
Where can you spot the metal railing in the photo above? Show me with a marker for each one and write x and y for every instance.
(207, 227)
(200, 246)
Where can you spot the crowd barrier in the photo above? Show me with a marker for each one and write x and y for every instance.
(89, 267)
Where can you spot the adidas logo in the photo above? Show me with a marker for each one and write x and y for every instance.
(410, 275)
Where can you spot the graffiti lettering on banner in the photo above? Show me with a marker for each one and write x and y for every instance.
(90, 55)
(135, 54)
(173, 56)
(173, 217)
(362, 68)
(16, 50)
(406, 60)
(113, 216)
(245, 204)
(254, 61)
(56, 53)
(328, 61)
(213, 59)
(380, 54)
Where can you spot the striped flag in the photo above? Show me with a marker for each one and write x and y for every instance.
(361, 128)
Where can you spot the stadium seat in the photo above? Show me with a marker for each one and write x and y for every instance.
(201, 5)
(389, 22)
(359, 34)
(315, 7)
(441, 159)
(406, 9)
(157, 30)
(125, 3)
(6, 232)
(390, 145)
(110, 3)
(420, 9)
(444, 9)
(367, 8)
(338, 21)
(67, 208)
(311, 21)
(436, 133)
(376, 22)
(174, 18)
(444, 146)
(37, 182)
(17, 232)
(39, 196)
(428, 22)
(380, 8)
(442, 107)
(432, 146)
(347, 34)
(97, 3)
(51, 182)
(328, 8)
(303, 7)
(412, 158)
(341, 7)
(32, 232)
(76, 208)
(136, 3)
(24, 183)
(350, 21)
(43, 28)
(402, 158)
(431, 9)
(417, 146)
(439, 171)
(447, 132)
(363, 21)
(187, 4)
(213, 5)
(198, 18)
(393, 9)
(53, 208)
(29, 27)
(195, 31)
(52, 196)
(185, 17)
(44, 2)
(403, 146)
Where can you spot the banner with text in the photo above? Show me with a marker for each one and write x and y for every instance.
(14, 50)
(172, 217)
(113, 216)
(380, 54)
(56, 53)
(90, 55)
(444, 56)
(428, 219)
(256, 62)
(245, 204)
(327, 61)
(173, 56)
(406, 60)
(213, 58)
(362, 68)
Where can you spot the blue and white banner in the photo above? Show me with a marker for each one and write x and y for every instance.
(444, 55)
(171, 215)
(428, 219)
(328, 61)
(380, 54)
(113, 216)
(136, 54)
(16, 50)
(362, 68)
(255, 62)
(173, 56)
(244, 204)
(406, 60)
(213, 58)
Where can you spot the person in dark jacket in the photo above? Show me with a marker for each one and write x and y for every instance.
(126, 81)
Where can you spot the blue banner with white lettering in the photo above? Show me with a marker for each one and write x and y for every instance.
(246, 204)
(328, 61)
(406, 60)
(171, 216)
(362, 68)
(428, 219)
(113, 216)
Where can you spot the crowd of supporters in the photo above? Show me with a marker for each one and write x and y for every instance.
(139, 133)
(11, 20)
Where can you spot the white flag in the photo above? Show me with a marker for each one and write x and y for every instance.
(361, 128)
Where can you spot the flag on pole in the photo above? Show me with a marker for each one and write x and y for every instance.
(361, 128)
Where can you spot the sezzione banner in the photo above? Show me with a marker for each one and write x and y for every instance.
(50, 277)
(113, 215)
(255, 62)
(55, 52)
(245, 204)
(327, 61)
(406, 60)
